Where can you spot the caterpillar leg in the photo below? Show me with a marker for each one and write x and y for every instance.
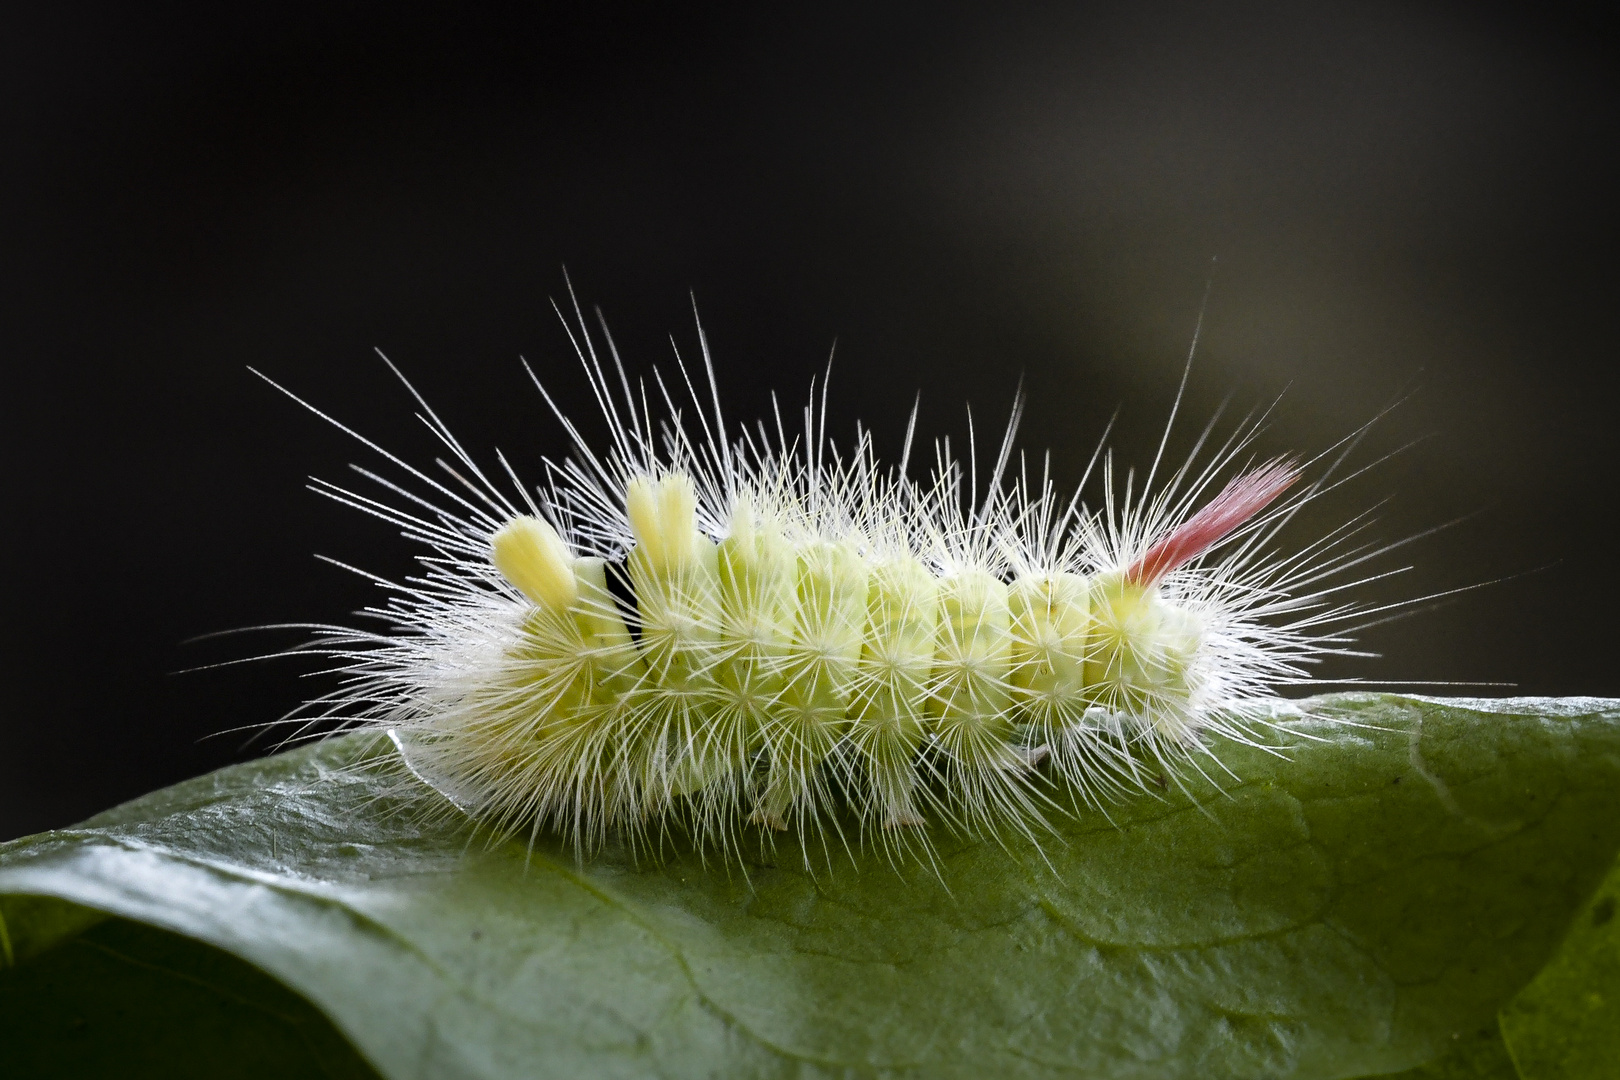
(800, 740)
(886, 753)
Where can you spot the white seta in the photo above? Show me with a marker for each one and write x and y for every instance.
(726, 631)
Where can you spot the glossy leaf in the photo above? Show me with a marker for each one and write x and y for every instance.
(1567, 1022)
(1361, 904)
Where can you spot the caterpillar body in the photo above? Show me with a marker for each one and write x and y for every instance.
(750, 630)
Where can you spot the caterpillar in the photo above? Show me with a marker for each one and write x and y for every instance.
(736, 630)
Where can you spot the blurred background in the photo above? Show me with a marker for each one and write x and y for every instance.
(1387, 202)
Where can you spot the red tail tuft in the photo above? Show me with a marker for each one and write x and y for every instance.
(1241, 499)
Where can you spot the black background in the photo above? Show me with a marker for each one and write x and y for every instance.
(1398, 197)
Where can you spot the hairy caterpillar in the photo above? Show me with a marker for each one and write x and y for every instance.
(751, 629)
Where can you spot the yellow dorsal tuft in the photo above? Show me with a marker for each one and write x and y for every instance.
(530, 554)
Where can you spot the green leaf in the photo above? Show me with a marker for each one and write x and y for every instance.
(129, 1001)
(1474, 1055)
(1567, 1022)
(1362, 905)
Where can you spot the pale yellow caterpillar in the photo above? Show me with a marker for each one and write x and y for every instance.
(748, 629)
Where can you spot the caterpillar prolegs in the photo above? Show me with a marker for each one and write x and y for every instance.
(751, 630)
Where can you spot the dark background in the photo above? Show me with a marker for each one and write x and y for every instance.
(1400, 197)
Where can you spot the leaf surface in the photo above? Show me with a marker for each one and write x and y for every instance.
(1567, 1021)
(1360, 904)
